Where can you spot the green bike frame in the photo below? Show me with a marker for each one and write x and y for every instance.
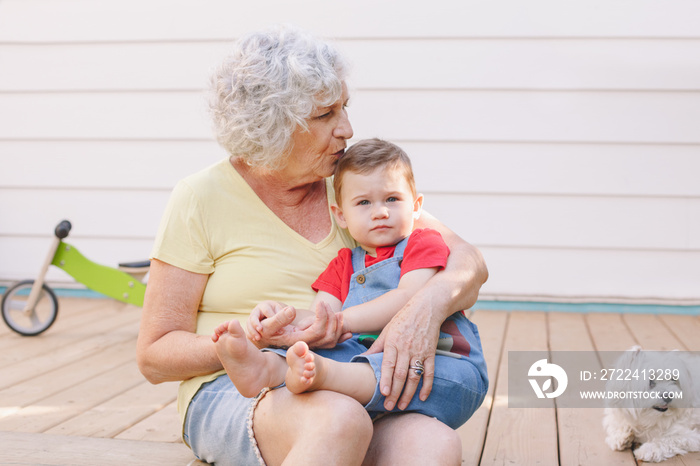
(106, 280)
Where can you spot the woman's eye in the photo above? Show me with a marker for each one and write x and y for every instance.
(322, 116)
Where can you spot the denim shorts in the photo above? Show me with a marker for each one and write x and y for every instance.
(219, 425)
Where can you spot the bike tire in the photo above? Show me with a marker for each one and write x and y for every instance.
(39, 319)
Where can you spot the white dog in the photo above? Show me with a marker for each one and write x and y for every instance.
(664, 425)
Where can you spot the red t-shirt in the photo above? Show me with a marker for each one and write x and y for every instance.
(425, 249)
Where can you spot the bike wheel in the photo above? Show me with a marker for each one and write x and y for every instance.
(33, 321)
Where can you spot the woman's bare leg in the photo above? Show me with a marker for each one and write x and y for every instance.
(317, 428)
(249, 369)
(413, 439)
(309, 372)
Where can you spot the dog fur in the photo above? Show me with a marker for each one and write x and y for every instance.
(662, 428)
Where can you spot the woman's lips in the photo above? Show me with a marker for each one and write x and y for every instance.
(340, 153)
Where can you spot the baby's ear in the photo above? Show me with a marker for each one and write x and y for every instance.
(339, 217)
(417, 206)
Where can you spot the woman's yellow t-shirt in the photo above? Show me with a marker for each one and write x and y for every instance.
(215, 224)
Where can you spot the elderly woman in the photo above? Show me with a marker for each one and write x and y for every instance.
(257, 227)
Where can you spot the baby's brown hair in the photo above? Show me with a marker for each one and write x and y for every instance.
(369, 154)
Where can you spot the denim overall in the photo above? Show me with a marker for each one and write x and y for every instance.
(460, 382)
(367, 283)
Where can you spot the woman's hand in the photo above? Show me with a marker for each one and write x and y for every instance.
(325, 331)
(264, 310)
(412, 335)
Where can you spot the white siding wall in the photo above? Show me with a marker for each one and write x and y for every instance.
(561, 138)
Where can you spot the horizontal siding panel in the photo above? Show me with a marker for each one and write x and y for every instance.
(556, 169)
(571, 222)
(525, 64)
(121, 66)
(649, 117)
(145, 165)
(512, 221)
(23, 257)
(106, 213)
(45, 20)
(158, 115)
(563, 273)
(388, 64)
(469, 168)
(529, 116)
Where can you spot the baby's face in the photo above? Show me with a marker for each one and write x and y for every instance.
(377, 208)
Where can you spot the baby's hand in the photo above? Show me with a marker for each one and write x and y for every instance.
(304, 319)
(262, 311)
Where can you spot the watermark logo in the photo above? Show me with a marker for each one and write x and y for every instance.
(598, 379)
(542, 368)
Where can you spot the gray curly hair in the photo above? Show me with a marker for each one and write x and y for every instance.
(267, 87)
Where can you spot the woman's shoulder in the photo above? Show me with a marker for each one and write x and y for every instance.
(214, 173)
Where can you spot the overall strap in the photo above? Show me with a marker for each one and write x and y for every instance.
(358, 259)
(358, 254)
(400, 246)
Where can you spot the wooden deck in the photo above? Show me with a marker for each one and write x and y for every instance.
(74, 395)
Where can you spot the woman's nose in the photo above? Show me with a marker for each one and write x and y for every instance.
(343, 129)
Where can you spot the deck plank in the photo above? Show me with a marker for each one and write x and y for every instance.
(520, 435)
(97, 318)
(651, 333)
(609, 333)
(67, 404)
(122, 329)
(581, 433)
(685, 328)
(111, 418)
(491, 325)
(161, 426)
(42, 449)
(49, 383)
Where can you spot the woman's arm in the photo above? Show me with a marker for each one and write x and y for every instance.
(465, 271)
(167, 348)
(413, 333)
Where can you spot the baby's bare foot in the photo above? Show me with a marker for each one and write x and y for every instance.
(305, 371)
(249, 369)
(220, 330)
(308, 371)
